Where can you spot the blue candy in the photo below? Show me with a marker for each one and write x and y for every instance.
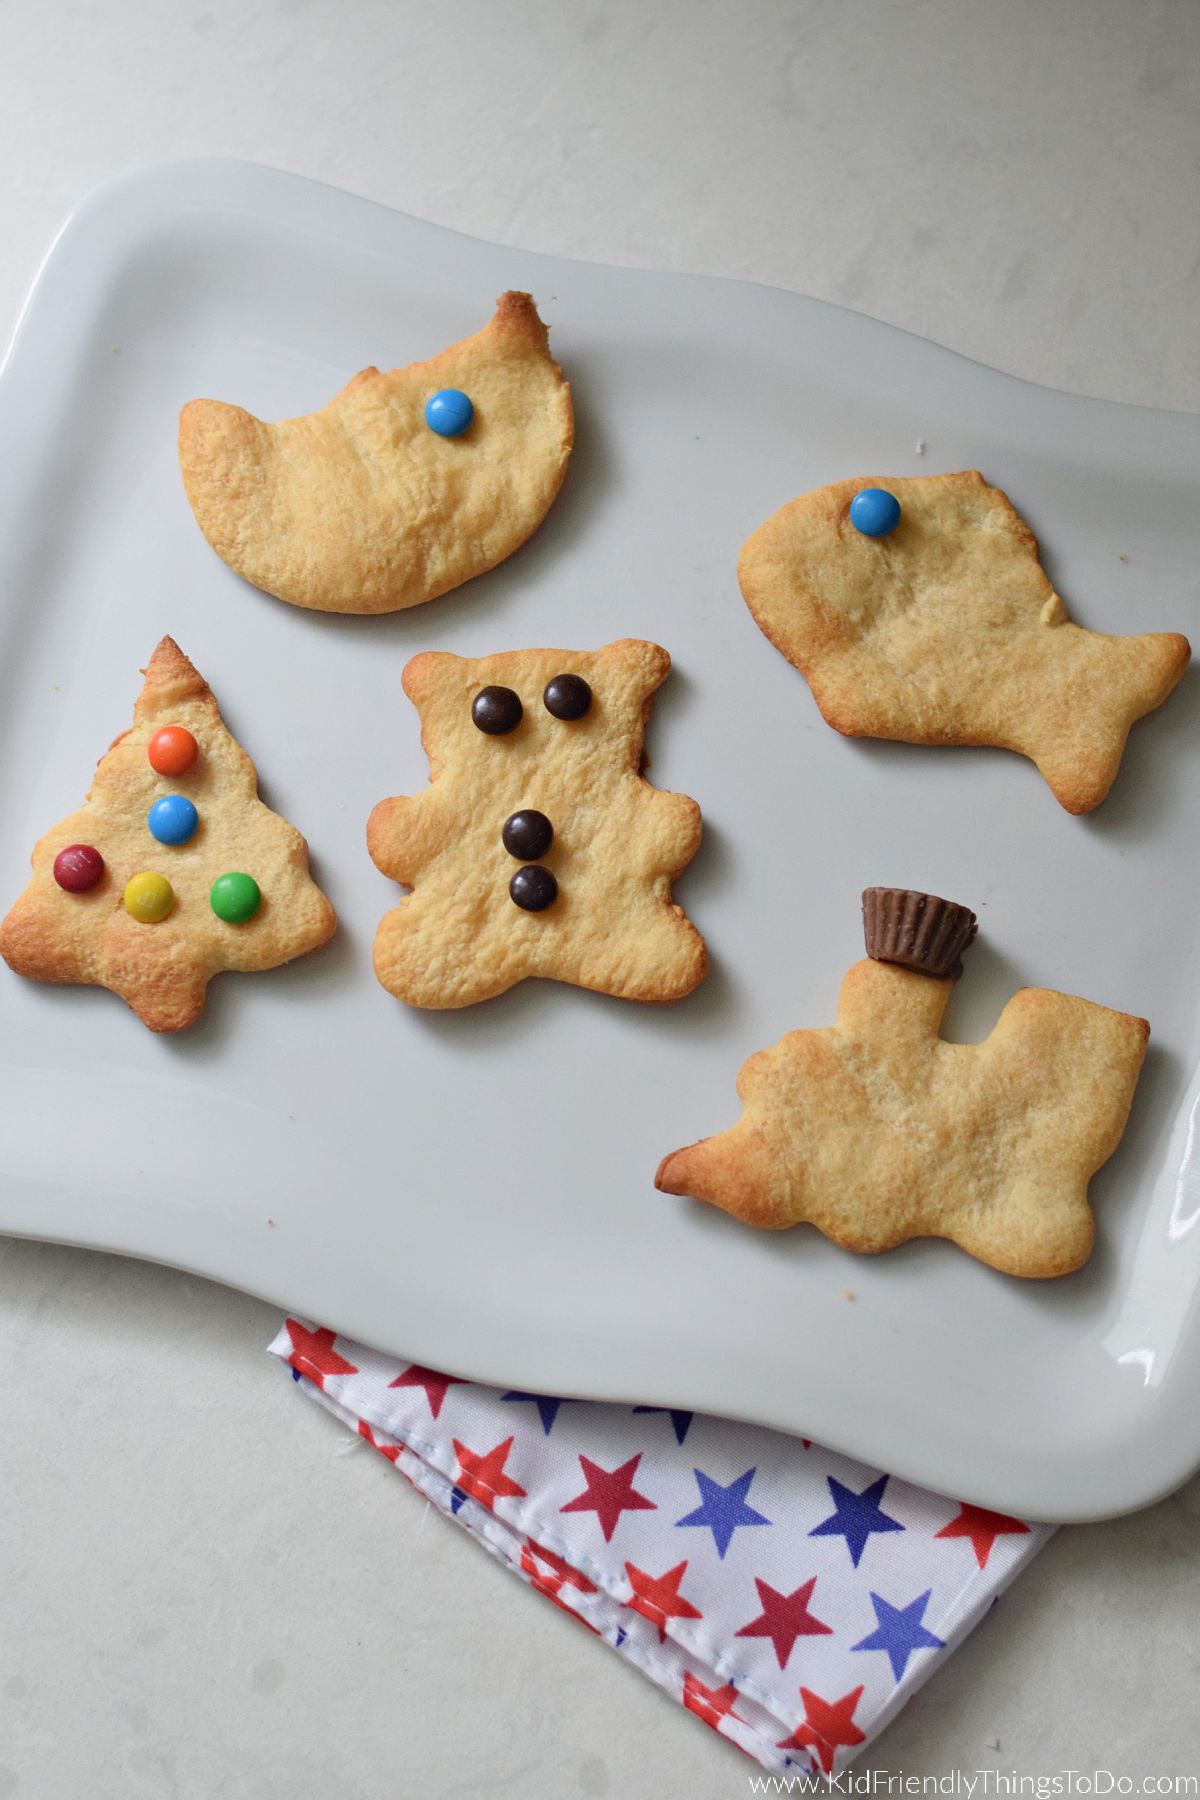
(875, 512)
(173, 819)
(449, 412)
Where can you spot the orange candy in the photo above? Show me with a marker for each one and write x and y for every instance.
(172, 751)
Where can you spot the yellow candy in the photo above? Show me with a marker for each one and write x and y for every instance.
(149, 897)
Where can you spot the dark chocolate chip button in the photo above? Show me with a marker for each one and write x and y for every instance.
(567, 697)
(496, 710)
(527, 835)
(533, 889)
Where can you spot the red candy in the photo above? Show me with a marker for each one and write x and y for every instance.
(78, 868)
(172, 751)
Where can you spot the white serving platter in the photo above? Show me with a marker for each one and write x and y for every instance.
(475, 1189)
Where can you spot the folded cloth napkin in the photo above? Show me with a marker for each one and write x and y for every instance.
(791, 1598)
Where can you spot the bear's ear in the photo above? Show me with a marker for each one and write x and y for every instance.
(634, 664)
(425, 674)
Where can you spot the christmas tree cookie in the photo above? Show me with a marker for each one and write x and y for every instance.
(172, 870)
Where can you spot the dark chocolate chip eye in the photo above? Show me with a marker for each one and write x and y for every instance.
(496, 710)
(567, 697)
(533, 889)
(527, 835)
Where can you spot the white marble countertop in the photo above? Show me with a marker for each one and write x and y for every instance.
(210, 1591)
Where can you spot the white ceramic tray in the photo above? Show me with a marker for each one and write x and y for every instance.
(475, 1189)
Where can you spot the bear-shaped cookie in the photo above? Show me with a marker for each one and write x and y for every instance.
(538, 847)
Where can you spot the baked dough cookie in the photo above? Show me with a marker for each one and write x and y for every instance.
(172, 870)
(363, 507)
(945, 630)
(538, 848)
(876, 1130)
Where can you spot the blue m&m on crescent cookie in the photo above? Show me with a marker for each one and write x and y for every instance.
(875, 512)
(173, 819)
(449, 412)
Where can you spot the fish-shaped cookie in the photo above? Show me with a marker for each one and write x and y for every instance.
(933, 622)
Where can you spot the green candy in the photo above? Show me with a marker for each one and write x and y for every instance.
(235, 898)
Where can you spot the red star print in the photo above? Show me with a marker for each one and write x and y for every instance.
(552, 1585)
(657, 1597)
(483, 1477)
(784, 1618)
(826, 1726)
(609, 1493)
(564, 1575)
(983, 1528)
(710, 1704)
(435, 1385)
(313, 1354)
(391, 1451)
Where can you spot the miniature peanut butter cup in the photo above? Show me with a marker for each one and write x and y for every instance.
(918, 931)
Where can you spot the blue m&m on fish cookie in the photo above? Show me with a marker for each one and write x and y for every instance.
(875, 512)
(449, 412)
(173, 819)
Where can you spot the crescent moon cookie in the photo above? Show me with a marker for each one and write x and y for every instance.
(405, 485)
(538, 847)
(876, 1130)
(916, 609)
(172, 870)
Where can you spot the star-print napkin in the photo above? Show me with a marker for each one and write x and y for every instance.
(791, 1598)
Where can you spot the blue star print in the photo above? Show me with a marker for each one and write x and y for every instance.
(856, 1516)
(723, 1509)
(899, 1631)
(679, 1420)
(546, 1404)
